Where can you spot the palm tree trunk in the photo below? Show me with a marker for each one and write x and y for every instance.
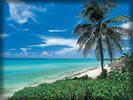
(102, 56)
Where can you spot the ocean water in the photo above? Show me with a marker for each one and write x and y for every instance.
(19, 73)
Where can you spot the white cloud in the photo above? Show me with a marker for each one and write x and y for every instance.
(80, 21)
(25, 50)
(21, 12)
(64, 51)
(127, 48)
(5, 53)
(26, 29)
(3, 35)
(127, 25)
(21, 53)
(18, 54)
(44, 53)
(12, 49)
(57, 30)
(48, 41)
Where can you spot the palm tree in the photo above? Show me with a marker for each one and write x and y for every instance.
(98, 33)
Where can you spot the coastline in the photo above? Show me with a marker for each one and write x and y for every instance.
(92, 72)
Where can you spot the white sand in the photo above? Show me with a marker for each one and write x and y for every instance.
(94, 72)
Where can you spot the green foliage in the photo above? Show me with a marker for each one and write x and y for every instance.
(115, 87)
(85, 77)
(118, 19)
(128, 61)
(103, 75)
(119, 75)
(124, 69)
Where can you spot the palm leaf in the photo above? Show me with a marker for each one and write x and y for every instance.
(83, 38)
(118, 19)
(125, 31)
(107, 6)
(82, 16)
(82, 28)
(89, 45)
(97, 52)
(116, 38)
(109, 47)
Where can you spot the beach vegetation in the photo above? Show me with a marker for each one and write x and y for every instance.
(119, 75)
(85, 77)
(102, 75)
(114, 87)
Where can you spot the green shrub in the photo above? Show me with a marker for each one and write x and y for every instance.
(85, 77)
(76, 90)
(118, 75)
(124, 69)
(114, 87)
(75, 78)
(103, 75)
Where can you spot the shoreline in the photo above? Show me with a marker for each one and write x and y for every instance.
(92, 72)
(78, 73)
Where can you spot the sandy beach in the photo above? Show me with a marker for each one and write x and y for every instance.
(91, 72)
(94, 72)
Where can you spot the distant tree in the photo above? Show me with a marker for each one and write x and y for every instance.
(98, 33)
(125, 55)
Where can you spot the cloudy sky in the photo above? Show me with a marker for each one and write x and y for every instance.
(44, 30)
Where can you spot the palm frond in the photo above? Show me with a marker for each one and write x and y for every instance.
(107, 6)
(82, 28)
(89, 7)
(114, 34)
(97, 52)
(125, 31)
(82, 16)
(118, 19)
(116, 39)
(109, 47)
(89, 45)
(84, 37)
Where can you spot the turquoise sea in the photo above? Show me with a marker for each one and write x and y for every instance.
(19, 73)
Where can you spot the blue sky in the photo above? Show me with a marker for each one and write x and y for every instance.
(44, 30)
